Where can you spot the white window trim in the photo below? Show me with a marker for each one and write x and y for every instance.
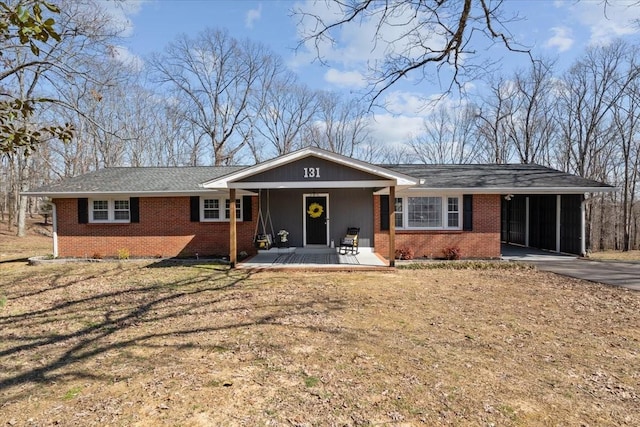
(222, 203)
(444, 213)
(110, 211)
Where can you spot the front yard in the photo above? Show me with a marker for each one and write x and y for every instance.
(140, 343)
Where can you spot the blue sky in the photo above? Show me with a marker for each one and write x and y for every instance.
(553, 29)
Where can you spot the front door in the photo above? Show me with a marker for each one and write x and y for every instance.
(316, 227)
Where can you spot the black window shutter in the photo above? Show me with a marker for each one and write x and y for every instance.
(134, 206)
(384, 212)
(467, 212)
(195, 208)
(246, 208)
(83, 211)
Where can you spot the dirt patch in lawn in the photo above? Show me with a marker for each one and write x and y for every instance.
(136, 344)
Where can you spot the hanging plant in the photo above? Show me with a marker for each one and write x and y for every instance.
(315, 210)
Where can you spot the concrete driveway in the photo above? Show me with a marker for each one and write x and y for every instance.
(624, 274)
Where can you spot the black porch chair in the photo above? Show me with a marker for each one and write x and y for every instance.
(349, 242)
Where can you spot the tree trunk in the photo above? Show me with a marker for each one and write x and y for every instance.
(23, 200)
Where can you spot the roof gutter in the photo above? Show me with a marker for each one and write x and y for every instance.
(507, 190)
(74, 195)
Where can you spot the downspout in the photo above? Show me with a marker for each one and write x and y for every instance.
(392, 226)
(54, 229)
(233, 234)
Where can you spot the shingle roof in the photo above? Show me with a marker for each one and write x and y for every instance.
(140, 180)
(130, 180)
(504, 176)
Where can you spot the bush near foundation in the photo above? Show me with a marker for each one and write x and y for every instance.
(404, 253)
(452, 253)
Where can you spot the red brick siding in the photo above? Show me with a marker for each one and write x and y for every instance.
(164, 230)
(482, 242)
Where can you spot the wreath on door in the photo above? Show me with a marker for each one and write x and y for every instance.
(315, 210)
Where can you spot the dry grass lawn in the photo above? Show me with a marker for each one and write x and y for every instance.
(616, 256)
(35, 243)
(146, 344)
(143, 344)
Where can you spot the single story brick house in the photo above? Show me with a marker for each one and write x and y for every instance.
(316, 195)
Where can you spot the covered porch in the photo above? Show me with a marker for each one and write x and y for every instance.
(314, 258)
(313, 197)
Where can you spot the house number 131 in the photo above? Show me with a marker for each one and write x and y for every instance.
(312, 172)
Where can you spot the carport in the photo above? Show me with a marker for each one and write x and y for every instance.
(554, 222)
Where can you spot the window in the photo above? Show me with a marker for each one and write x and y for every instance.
(109, 210)
(121, 210)
(453, 212)
(227, 204)
(398, 212)
(101, 210)
(424, 212)
(428, 212)
(211, 209)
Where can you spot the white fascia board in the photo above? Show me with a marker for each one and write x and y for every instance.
(398, 178)
(505, 190)
(312, 184)
(75, 195)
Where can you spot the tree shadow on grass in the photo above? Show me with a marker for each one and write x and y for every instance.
(66, 337)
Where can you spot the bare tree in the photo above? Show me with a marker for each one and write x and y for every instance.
(448, 136)
(212, 77)
(415, 39)
(492, 122)
(35, 76)
(287, 107)
(626, 119)
(589, 92)
(588, 96)
(340, 126)
(27, 29)
(530, 124)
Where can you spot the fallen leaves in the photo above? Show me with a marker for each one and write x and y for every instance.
(135, 344)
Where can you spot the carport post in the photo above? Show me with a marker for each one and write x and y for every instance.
(558, 217)
(392, 226)
(233, 241)
(526, 221)
(583, 236)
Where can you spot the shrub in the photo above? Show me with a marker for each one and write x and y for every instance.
(123, 253)
(404, 253)
(451, 253)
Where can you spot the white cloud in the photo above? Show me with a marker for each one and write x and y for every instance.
(609, 21)
(128, 59)
(348, 79)
(416, 104)
(398, 102)
(562, 39)
(253, 15)
(391, 129)
(119, 13)
(363, 42)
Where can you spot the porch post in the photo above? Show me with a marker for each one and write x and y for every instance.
(233, 243)
(392, 226)
(558, 217)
